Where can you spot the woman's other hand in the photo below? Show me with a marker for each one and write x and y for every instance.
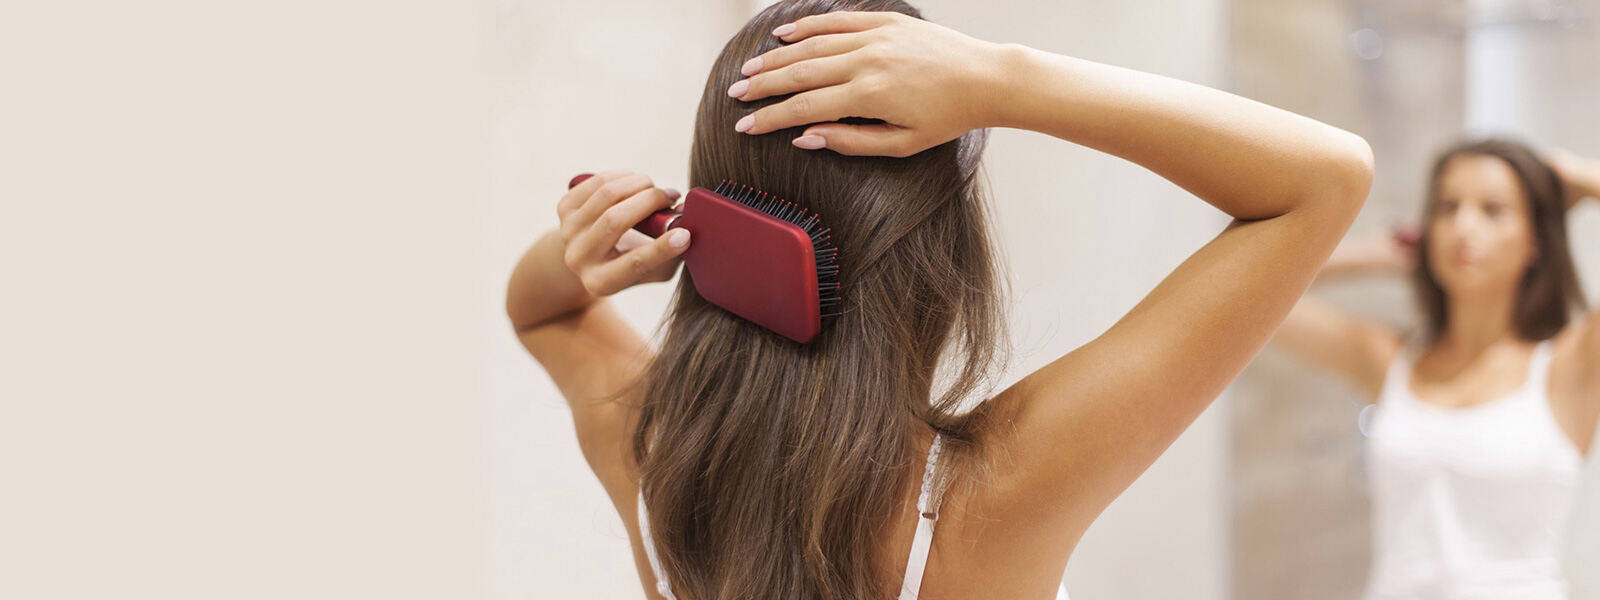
(1390, 252)
(1398, 251)
(927, 83)
(600, 245)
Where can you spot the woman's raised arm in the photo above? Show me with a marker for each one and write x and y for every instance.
(1078, 431)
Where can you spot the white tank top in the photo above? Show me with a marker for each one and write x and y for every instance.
(916, 562)
(1469, 503)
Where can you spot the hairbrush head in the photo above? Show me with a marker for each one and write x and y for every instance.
(758, 256)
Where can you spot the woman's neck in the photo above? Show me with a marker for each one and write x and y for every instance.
(1478, 321)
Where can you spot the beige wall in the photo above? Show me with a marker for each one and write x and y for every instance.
(1070, 221)
(239, 265)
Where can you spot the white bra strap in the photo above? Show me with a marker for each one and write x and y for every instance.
(1397, 377)
(922, 541)
(1539, 367)
(662, 587)
(916, 563)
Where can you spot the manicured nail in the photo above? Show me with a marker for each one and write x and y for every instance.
(810, 142)
(784, 29)
(679, 238)
(738, 88)
(751, 67)
(745, 124)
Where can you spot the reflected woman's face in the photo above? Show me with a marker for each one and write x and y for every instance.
(1480, 235)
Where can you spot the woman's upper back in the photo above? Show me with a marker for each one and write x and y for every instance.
(917, 550)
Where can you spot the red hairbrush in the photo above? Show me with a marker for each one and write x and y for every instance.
(758, 256)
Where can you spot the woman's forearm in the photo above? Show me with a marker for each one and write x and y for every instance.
(1248, 159)
(1380, 254)
(1349, 260)
(542, 287)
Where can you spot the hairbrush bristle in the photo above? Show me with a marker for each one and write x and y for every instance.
(821, 238)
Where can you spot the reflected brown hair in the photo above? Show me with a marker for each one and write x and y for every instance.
(1549, 290)
(772, 469)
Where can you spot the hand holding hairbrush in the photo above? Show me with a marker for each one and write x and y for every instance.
(757, 256)
(598, 247)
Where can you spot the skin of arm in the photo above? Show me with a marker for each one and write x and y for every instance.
(556, 302)
(1575, 385)
(1086, 425)
(1356, 350)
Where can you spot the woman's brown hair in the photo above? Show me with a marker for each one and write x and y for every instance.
(1549, 290)
(772, 469)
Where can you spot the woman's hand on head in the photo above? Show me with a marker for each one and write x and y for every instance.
(600, 245)
(928, 83)
(1582, 175)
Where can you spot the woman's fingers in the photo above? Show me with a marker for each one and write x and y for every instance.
(817, 47)
(655, 261)
(924, 83)
(600, 237)
(798, 77)
(834, 22)
(1581, 175)
(815, 106)
(878, 139)
(597, 218)
(630, 239)
(609, 193)
(575, 196)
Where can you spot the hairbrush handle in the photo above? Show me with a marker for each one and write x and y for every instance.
(654, 225)
(1406, 235)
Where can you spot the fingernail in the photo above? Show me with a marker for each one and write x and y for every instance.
(784, 29)
(679, 238)
(672, 193)
(751, 67)
(745, 124)
(739, 88)
(810, 142)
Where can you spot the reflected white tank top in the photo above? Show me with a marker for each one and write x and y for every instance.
(1469, 503)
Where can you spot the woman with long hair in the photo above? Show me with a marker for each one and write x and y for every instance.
(1483, 417)
(744, 465)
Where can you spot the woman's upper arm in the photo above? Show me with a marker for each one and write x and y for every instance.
(592, 354)
(1575, 379)
(1074, 434)
(1589, 352)
(1356, 350)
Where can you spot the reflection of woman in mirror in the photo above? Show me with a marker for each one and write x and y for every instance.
(1480, 429)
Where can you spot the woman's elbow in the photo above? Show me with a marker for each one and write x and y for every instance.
(1350, 170)
(519, 309)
